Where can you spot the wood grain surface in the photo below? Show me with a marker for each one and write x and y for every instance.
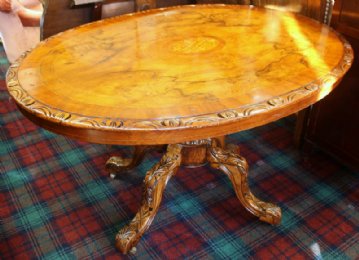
(178, 74)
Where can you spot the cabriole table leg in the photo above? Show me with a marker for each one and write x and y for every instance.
(236, 168)
(155, 182)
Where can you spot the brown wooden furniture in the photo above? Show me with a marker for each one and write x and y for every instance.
(61, 15)
(317, 9)
(320, 10)
(333, 123)
(182, 77)
(58, 16)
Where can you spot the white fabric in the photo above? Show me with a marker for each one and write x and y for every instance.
(15, 37)
(28, 3)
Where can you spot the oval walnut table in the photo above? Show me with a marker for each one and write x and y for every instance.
(182, 77)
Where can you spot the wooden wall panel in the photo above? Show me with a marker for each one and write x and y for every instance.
(346, 17)
(58, 16)
(223, 2)
(350, 13)
(334, 122)
(311, 8)
(165, 3)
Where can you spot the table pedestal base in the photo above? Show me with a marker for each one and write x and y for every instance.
(193, 154)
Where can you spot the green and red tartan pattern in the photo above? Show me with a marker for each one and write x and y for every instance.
(4, 63)
(57, 201)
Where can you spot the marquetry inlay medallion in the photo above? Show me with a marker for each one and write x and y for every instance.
(194, 45)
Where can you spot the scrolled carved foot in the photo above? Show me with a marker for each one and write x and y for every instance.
(118, 165)
(155, 182)
(236, 168)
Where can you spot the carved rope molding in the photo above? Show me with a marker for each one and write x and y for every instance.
(33, 106)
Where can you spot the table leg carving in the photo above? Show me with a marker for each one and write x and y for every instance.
(221, 142)
(117, 165)
(236, 168)
(155, 182)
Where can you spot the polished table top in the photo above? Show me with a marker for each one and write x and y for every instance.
(178, 74)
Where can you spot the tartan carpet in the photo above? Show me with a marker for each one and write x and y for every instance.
(4, 63)
(57, 201)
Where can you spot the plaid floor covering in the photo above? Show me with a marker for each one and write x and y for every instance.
(57, 201)
(4, 63)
